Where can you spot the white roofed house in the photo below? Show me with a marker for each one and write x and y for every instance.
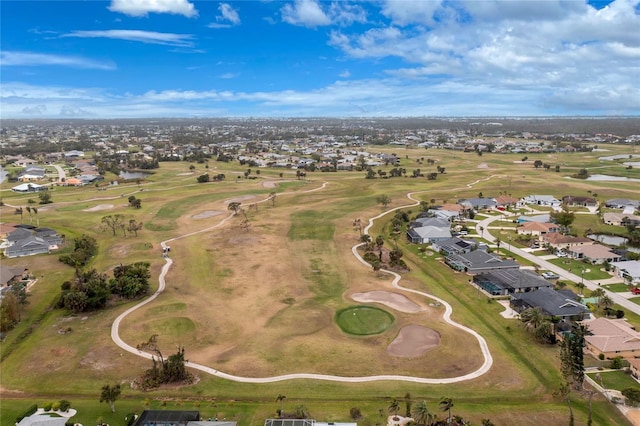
(542, 200)
(628, 270)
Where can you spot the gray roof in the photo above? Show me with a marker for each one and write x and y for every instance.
(478, 260)
(166, 417)
(431, 221)
(622, 202)
(552, 302)
(515, 279)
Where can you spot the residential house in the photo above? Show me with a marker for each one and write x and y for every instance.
(577, 201)
(594, 253)
(537, 228)
(478, 204)
(558, 241)
(620, 219)
(506, 201)
(510, 281)
(612, 338)
(628, 270)
(621, 203)
(177, 418)
(32, 173)
(562, 304)
(11, 275)
(478, 261)
(455, 245)
(424, 230)
(29, 187)
(542, 200)
(27, 241)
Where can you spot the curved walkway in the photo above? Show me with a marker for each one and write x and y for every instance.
(488, 359)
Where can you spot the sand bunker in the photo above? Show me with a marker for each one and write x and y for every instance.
(396, 301)
(207, 213)
(99, 207)
(413, 340)
(483, 166)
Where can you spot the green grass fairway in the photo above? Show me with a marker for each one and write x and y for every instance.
(364, 320)
(617, 288)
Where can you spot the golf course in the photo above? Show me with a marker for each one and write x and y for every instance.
(277, 288)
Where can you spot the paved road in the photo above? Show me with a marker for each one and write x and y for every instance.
(61, 173)
(484, 368)
(564, 274)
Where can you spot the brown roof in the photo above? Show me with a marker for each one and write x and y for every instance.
(505, 199)
(557, 238)
(612, 335)
(538, 226)
(595, 251)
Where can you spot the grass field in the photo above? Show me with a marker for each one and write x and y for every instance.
(364, 320)
(262, 300)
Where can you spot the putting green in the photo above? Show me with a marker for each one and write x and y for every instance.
(364, 320)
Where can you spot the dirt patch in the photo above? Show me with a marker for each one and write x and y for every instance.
(483, 166)
(413, 340)
(207, 213)
(395, 301)
(99, 207)
(240, 199)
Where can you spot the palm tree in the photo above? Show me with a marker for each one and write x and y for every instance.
(421, 414)
(30, 217)
(280, 398)
(394, 407)
(598, 292)
(34, 210)
(532, 318)
(605, 302)
(446, 404)
(272, 196)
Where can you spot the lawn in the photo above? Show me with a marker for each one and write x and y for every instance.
(618, 379)
(617, 288)
(591, 272)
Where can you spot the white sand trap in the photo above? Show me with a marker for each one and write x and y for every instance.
(240, 199)
(207, 213)
(99, 207)
(483, 166)
(185, 174)
(396, 301)
(413, 340)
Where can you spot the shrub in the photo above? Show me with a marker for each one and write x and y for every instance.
(601, 357)
(55, 406)
(616, 363)
(130, 419)
(46, 406)
(64, 405)
(29, 411)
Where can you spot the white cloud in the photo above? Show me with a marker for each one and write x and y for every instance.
(404, 12)
(149, 37)
(228, 13)
(228, 75)
(307, 13)
(343, 13)
(35, 109)
(345, 74)
(144, 7)
(15, 58)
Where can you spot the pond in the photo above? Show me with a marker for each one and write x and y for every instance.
(133, 175)
(612, 178)
(613, 240)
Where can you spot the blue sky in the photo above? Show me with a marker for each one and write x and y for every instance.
(181, 58)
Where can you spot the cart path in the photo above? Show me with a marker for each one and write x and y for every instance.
(486, 366)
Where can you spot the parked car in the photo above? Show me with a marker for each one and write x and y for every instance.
(550, 276)
(561, 254)
(635, 290)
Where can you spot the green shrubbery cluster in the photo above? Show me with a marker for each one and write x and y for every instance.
(85, 247)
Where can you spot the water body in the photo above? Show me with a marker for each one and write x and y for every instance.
(613, 240)
(619, 157)
(133, 175)
(612, 178)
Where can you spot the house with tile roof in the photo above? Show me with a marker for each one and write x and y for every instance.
(537, 228)
(594, 253)
(612, 337)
